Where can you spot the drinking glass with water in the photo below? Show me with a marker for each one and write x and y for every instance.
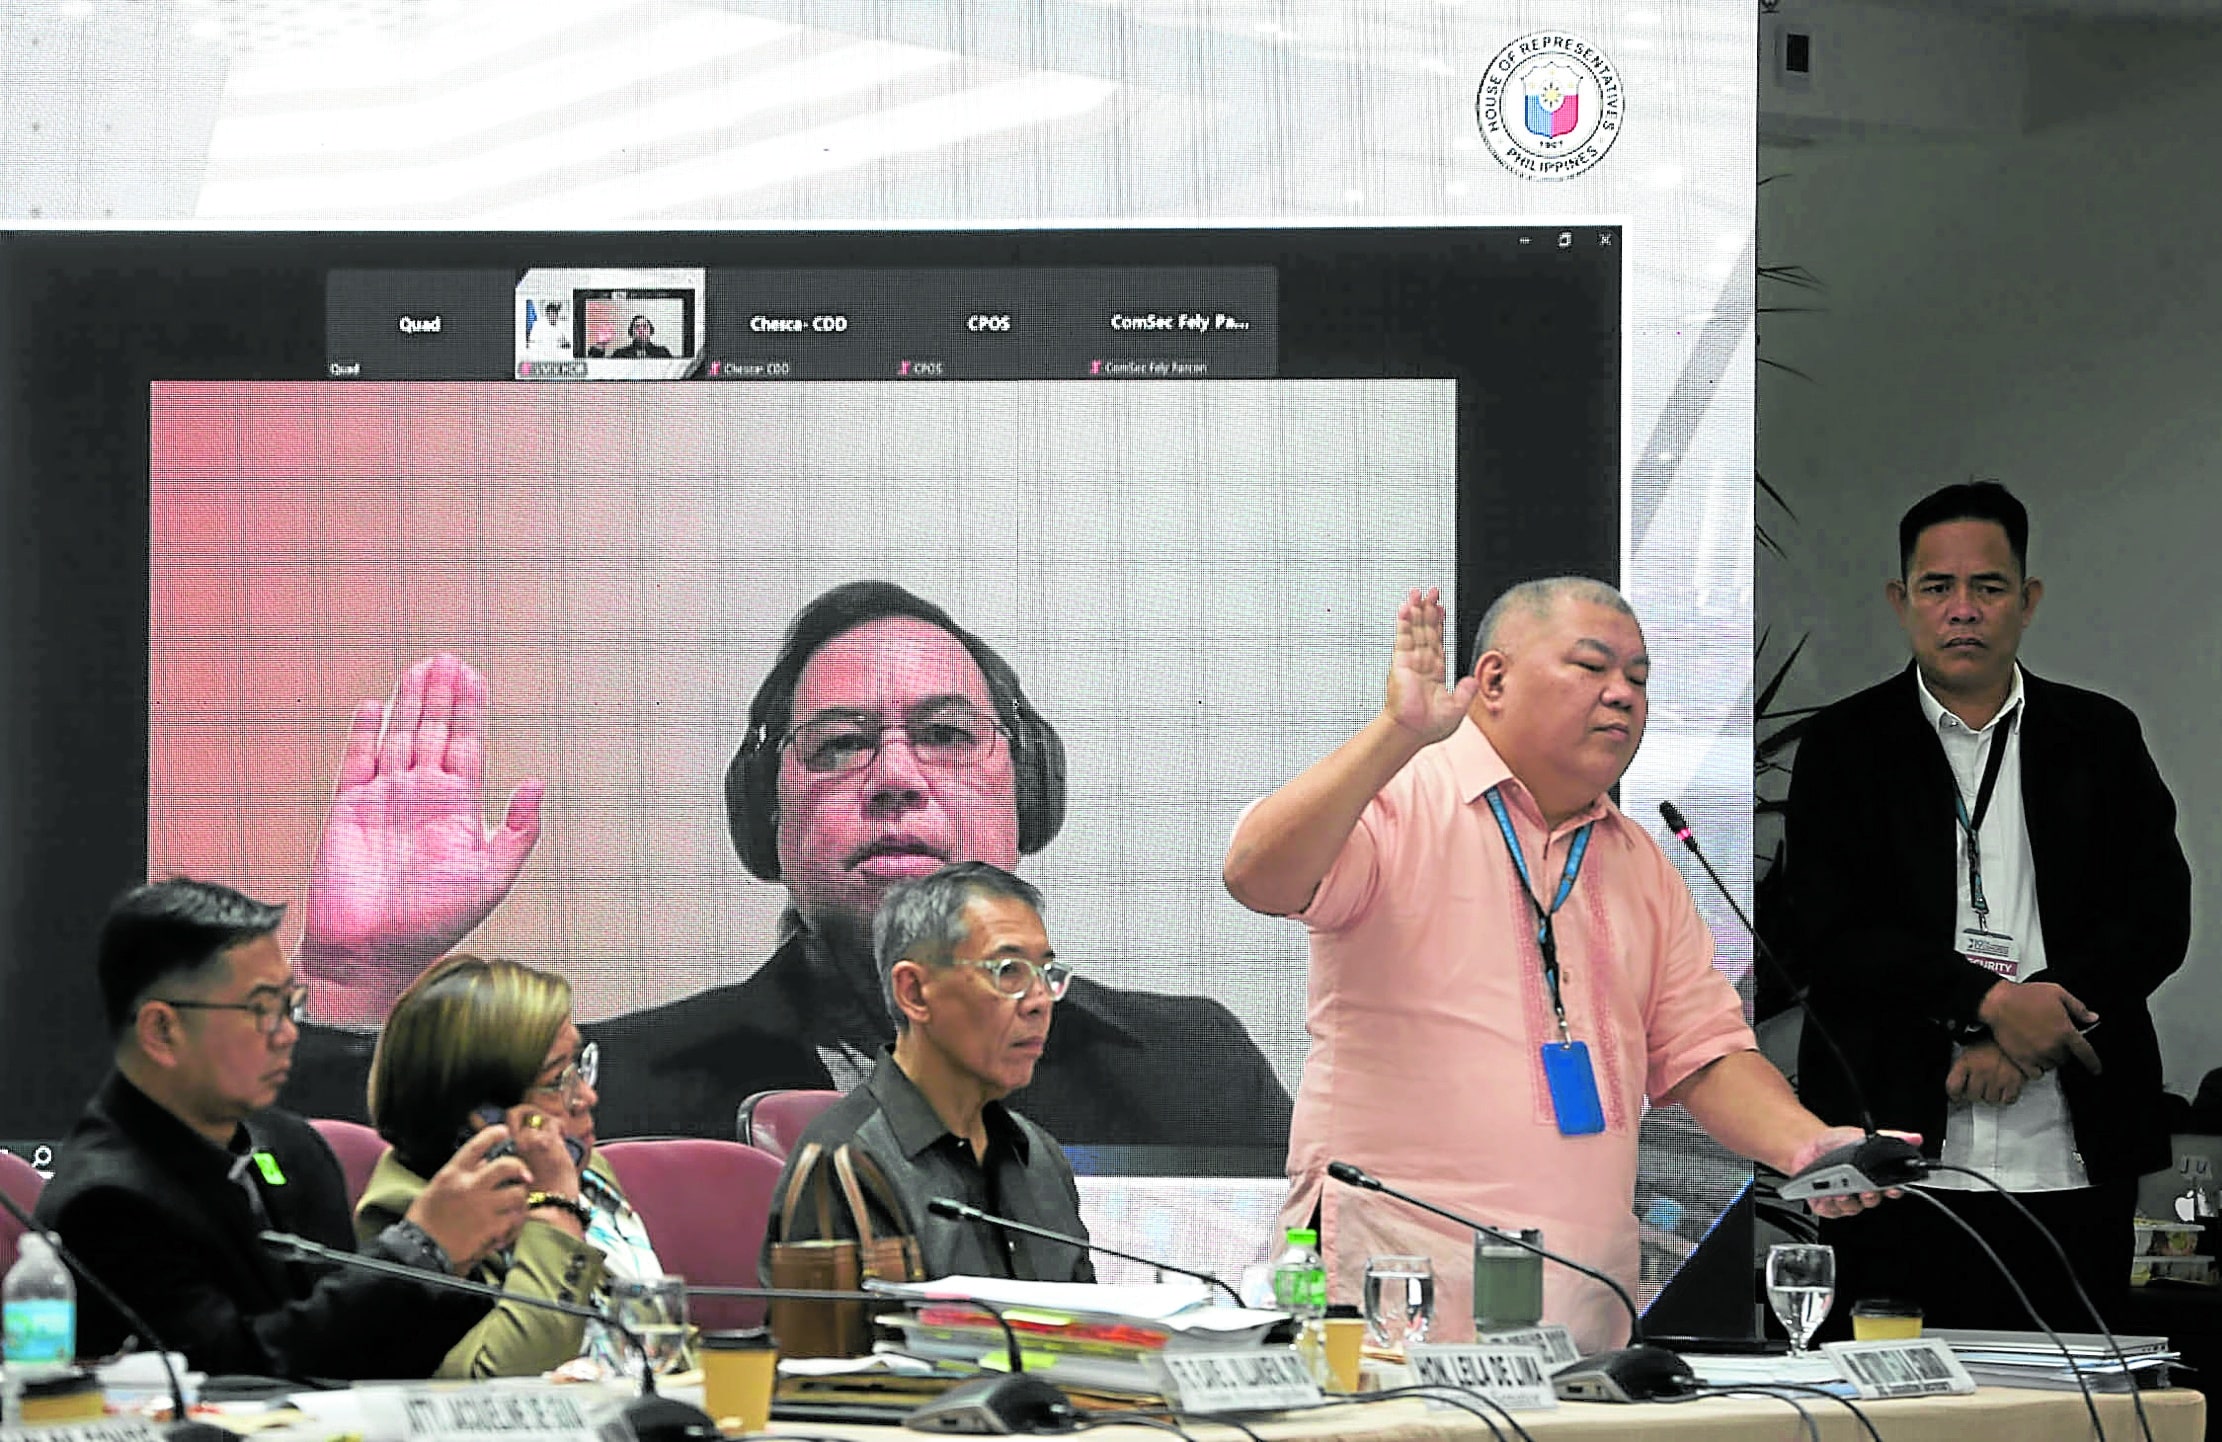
(656, 1310)
(1801, 1283)
(1399, 1300)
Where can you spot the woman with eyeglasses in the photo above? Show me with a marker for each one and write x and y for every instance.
(476, 1042)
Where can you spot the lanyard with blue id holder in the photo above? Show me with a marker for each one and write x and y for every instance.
(1566, 1067)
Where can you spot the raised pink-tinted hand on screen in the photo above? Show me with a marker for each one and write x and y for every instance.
(407, 867)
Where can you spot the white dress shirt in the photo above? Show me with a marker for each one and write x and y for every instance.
(2030, 1145)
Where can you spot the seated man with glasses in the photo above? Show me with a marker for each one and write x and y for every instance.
(967, 973)
(180, 1160)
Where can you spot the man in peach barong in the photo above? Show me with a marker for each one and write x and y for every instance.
(1504, 967)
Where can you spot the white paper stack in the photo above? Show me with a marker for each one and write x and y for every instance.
(1814, 1369)
(2029, 1359)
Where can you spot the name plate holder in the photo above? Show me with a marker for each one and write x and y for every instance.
(107, 1429)
(524, 1412)
(1901, 1367)
(1270, 1379)
(1515, 1375)
(1550, 1338)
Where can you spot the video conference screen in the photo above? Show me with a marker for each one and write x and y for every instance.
(439, 587)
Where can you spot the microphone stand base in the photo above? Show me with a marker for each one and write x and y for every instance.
(667, 1419)
(1625, 1374)
(185, 1430)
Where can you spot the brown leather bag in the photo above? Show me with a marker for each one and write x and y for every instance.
(836, 1329)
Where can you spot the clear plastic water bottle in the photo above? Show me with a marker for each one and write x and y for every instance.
(1300, 1277)
(38, 1303)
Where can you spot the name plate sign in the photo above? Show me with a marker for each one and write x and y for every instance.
(1514, 1376)
(1260, 1380)
(112, 1429)
(533, 1412)
(1900, 1367)
(1552, 1340)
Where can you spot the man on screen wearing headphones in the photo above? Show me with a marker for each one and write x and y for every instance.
(885, 742)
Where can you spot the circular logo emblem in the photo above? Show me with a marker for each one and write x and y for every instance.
(1549, 106)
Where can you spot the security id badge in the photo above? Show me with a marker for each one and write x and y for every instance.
(1994, 951)
(1573, 1088)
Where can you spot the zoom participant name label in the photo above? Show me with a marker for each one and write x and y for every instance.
(1908, 1367)
(1514, 1376)
(1266, 1380)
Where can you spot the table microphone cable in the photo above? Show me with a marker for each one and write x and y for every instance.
(2136, 1393)
(1759, 1389)
(1131, 1419)
(2082, 1383)
(1169, 1415)
(1808, 1389)
(1459, 1397)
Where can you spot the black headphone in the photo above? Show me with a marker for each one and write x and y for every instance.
(752, 777)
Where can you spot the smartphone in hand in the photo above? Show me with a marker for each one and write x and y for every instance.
(490, 1115)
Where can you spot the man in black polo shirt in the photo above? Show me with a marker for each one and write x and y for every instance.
(180, 1160)
(970, 980)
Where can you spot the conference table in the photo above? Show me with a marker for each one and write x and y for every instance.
(2008, 1414)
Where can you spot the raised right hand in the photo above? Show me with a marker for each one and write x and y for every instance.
(474, 1207)
(406, 867)
(1417, 700)
(2036, 1024)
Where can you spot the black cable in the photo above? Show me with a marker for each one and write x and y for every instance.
(1455, 1396)
(1166, 1412)
(1815, 1390)
(1753, 1389)
(1130, 1419)
(2136, 1393)
(2082, 1383)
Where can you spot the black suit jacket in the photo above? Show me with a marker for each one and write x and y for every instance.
(147, 1204)
(1123, 1070)
(1874, 906)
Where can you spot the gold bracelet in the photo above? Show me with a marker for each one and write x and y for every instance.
(577, 1208)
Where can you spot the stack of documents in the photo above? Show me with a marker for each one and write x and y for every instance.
(1814, 1369)
(2029, 1359)
(1074, 1334)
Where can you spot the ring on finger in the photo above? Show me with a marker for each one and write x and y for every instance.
(535, 1121)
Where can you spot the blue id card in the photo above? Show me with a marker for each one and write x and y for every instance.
(1573, 1088)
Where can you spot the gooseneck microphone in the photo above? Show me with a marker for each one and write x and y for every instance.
(957, 1211)
(1874, 1163)
(1351, 1176)
(1879, 1162)
(181, 1427)
(652, 1418)
(1634, 1373)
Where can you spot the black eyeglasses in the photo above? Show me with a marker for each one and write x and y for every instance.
(944, 736)
(267, 1011)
